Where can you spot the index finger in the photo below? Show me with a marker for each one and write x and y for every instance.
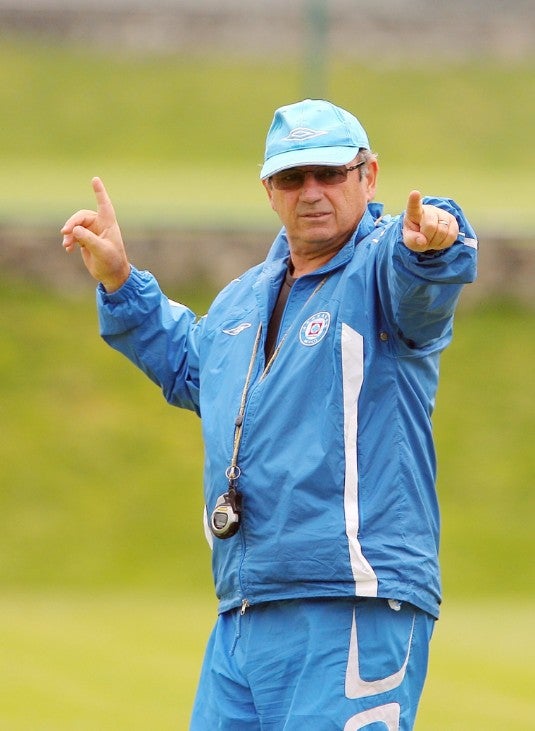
(104, 205)
(415, 209)
(105, 212)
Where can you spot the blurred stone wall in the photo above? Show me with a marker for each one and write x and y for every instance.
(180, 258)
(388, 29)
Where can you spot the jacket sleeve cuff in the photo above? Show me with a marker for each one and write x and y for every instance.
(130, 304)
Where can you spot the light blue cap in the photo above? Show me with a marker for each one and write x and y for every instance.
(312, 132)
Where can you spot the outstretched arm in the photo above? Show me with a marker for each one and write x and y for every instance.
(422, 269)
(427, 227)
(98, 235)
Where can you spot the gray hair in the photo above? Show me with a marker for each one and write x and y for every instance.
(367, 156)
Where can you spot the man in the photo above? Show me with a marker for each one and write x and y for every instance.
(315, 376)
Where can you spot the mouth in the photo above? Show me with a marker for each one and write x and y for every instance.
(315, 215)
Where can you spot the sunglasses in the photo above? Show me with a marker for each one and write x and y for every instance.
(294, 178)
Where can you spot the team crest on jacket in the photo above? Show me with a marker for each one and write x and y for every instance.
(315, 328)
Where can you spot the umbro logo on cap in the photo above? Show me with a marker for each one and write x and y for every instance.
(304, 133)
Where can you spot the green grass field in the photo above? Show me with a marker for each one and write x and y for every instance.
(125, 661)
(112, 662)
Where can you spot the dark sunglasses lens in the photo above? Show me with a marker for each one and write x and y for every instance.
(294, 179)
(331, 176)
(289, 179)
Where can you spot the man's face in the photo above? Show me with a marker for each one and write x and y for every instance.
(320, 218)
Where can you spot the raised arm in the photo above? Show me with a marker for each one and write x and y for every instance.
(98, 235)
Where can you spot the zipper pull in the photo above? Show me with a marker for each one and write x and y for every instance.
(244, 606)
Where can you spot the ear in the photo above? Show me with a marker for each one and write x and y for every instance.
(370, 179)
(269, 190)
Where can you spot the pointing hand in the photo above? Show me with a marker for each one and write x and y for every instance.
(98, 235)
(427, 227)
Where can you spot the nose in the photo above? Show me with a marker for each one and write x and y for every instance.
(311, 188)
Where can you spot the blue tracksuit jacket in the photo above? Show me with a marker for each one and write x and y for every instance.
(336, 456)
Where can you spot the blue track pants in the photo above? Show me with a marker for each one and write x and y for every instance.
(320, 665)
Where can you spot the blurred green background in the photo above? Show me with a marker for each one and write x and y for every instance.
(179, 138)
(106, 597)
